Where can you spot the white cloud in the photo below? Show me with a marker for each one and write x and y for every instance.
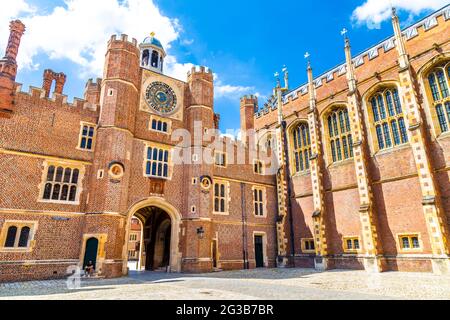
(175, 69)
(187, 42)
(79, 31)
(231, 92)
(9, 12)
(373, 12)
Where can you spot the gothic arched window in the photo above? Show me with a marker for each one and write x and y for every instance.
(438, 86)
(340, 139)
(301, 147)
(388, 119)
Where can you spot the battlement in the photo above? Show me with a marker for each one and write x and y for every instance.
(372, 54)
(249, 97)
(200, 70)
(91, 83)
(122, 38)
(60, 100)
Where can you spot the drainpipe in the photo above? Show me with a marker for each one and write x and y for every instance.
(244, 228)
(289, 188)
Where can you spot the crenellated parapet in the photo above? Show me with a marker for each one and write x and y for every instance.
(200, 70)
(38, 95)
(122, 38)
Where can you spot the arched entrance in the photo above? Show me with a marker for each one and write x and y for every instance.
(156, 233)
(91, 251)
(158, 246)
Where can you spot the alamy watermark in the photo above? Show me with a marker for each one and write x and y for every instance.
(200, 146)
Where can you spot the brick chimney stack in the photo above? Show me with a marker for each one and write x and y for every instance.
(49, 77)
(8, 68)
(249, 104)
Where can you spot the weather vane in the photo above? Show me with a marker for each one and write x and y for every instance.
(307, 55)
(344, 33)
(152, 34)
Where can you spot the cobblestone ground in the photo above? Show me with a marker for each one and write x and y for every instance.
(291, 284)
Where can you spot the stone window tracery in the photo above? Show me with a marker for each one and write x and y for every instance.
(157, 163)
(438, 83)
(220, 197)
(259, 201)
(339, 134)
(17, 235)
(61, 184)
(87, 133)
(301, 147)
(388, 119)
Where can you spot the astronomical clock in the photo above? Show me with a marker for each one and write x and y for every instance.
(162, 96)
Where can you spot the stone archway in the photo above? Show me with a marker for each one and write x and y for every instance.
(174, 255)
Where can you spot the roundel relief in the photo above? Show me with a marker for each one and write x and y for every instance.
(161, 98)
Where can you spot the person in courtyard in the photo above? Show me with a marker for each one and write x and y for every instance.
(89, 269)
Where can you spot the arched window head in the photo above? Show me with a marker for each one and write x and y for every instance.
(438, 88)
(24, 236)
(340, 141)
(267, 142)
(11, 237)
(387, 118)
(155, 59)
(145, 58)
(301, 146)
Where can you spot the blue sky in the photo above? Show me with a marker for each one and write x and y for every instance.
(244, 42)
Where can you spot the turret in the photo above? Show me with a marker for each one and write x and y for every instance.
(201, 87)
(199, 205)
(118, 104)
(8, 68)
(92, 91)
(249, 105)
(121, 80)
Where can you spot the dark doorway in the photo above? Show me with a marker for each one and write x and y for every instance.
(214, 253)
(91, 252)
(259, 252)
(157, 230)
(166, 254)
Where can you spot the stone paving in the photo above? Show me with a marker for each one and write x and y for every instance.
(291, 284)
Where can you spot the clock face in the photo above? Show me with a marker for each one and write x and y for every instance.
(161, 98)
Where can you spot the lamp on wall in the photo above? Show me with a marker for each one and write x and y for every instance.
(200, 233)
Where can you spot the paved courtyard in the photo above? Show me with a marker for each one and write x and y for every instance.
(292, 284)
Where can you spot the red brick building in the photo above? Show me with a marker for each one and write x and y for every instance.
(369, 150)
(366, 185)
(75, 174)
